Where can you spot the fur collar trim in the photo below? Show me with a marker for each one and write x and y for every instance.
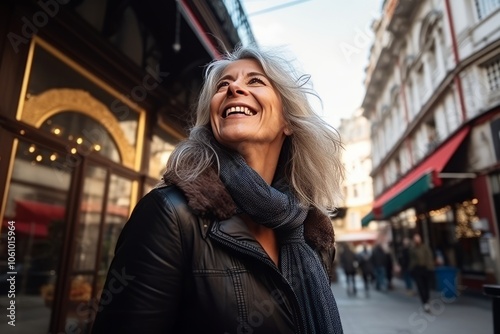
(208, 197)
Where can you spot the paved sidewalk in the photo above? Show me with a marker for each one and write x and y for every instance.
(396, 312)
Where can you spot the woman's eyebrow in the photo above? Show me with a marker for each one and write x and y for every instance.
(249, 74)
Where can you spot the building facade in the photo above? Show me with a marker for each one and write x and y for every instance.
(95, 94)
(433, 99)
(357, 186)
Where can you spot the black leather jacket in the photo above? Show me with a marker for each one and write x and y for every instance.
(176, 272)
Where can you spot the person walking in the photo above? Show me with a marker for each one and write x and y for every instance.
(421, 266)
(366, 268)
(389, 268)
(349, 263)
(235, 227)
(379, 263)
(404, 264)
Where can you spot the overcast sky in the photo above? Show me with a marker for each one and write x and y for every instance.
(330, 40)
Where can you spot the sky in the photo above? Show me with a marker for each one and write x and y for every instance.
(329, 39)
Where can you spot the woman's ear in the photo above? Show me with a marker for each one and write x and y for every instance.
(287, 132)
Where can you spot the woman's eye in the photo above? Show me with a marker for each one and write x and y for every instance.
(222, 84)
(256, 80)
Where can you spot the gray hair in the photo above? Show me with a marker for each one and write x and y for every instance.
(315, 171)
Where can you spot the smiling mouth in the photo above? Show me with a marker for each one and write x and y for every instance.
(238, 110)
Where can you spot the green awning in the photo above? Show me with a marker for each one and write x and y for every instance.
(407, 195)
(367, 219)
(417, 182)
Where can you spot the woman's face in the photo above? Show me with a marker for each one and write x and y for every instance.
(246, 109)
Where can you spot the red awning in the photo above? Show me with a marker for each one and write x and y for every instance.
(433, 164)
(28, 228)
(38, 212)
(34, 218)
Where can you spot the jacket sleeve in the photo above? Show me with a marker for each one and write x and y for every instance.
(143, 288)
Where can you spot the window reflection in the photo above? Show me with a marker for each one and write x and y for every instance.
(36, 202)
(104, 210)
(161, 148)
(84, 135)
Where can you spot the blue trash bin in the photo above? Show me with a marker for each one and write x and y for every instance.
(446, 281)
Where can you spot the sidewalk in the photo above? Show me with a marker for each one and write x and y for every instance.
(396, 312)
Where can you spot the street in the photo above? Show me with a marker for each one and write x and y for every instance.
(396, 312)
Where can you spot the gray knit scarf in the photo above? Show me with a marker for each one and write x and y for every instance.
(276, 207)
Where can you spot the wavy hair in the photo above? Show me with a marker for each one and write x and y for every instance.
(314, 169)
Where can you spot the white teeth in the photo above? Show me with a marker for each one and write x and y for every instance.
(238, 109)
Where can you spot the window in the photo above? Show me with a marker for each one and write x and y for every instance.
(433, 67)
(432, 136)
(485, 7)
(162, 146)
(421, 87)
(493, 73)
(397, 164)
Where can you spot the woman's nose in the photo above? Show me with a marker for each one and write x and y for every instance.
(235, 88)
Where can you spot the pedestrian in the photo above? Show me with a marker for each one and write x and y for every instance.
(349, 263)
(404, 264)
(389, 269)
(421, 266)
(366, 268)
(379, 263)
(229, 241)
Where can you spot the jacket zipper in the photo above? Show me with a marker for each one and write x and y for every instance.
(228, 242)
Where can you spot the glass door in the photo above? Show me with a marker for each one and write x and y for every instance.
(104, 209)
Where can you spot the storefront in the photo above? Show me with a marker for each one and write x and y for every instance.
(451, 199)
(92, 106)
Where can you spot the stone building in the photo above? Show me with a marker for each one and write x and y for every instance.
(433, 99)
(357, 187)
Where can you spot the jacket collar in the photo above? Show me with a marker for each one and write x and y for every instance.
(208, 197)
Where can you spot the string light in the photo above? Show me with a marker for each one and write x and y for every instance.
(466, 215)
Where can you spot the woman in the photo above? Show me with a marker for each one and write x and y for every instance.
(227, 244)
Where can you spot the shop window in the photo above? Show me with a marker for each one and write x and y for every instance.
(104, 210)
(469, 256)
(442, 215)
(408, 219)
(162, 146)
(466, 216)
(59, 92)
(36, 205)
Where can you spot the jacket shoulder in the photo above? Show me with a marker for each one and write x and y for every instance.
(175, 204)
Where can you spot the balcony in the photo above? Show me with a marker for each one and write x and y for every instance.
(399, 23)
